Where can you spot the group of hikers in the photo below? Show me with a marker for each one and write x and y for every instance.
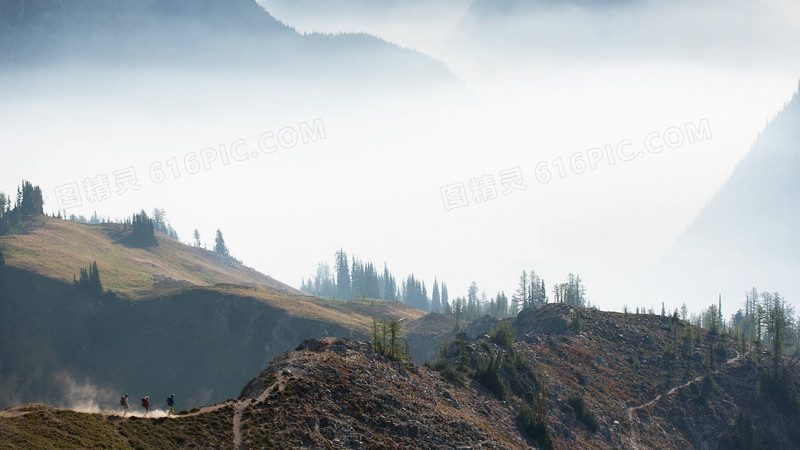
(146, 404)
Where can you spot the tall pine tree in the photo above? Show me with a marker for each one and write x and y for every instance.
(219, 244)
(342, 275)
(436, 300)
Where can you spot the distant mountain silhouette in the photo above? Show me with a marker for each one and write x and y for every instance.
(117, 29)
(484, 7)
(749, 232)
(210, 34)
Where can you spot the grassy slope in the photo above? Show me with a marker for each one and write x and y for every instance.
(59, 249)
(353, 314)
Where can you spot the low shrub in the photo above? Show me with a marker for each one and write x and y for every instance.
(582, 412)
(502, 335)
(535, 427)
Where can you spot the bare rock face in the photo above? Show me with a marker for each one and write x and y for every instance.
(480, 326)
(543, 319)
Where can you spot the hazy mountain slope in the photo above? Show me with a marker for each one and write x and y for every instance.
(58, 249)
(336, 393)
(51, 29)
(756, 213)
(194, 34)
(747, 234)
(204, 341)
(184, 317)
(535, 33)
(485, 8)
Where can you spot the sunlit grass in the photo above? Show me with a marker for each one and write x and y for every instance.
(59, 249)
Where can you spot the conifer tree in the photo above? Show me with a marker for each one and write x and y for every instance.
(142, 231)
(342, 275)
(196, 236)
(520, 298)
(219, 245)
(458, 304)
(779, 323)
(436, 300)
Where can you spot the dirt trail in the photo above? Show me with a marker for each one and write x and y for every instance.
(630, 411)
(634, 437)
(12, 412)
(19, 411)
(237, 425)
(240, 405)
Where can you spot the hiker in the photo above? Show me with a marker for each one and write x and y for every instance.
(124, 402)
(146, 404)
(171, 404)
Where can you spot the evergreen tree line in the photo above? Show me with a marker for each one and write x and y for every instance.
(531, 292)
(473, 306)
(93, 220)
(140, 224)
(766, 319)
(142, 228)
(29, 202)
(89, 281)
(572, 292)
(352, 278)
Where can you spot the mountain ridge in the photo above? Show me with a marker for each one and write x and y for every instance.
(612, 381)
(200, 34)
(58, 249)
(747, 230)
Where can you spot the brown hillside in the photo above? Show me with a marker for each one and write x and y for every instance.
(598, 380)
(58, 249)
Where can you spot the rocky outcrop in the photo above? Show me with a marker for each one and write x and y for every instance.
(615, 381)
(337, 393)
(543, 319)
(481, 326)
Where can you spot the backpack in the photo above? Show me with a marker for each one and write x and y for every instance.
(123, 401)
(170, 401)
(144, 403)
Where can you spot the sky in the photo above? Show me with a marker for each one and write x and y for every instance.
(683, 87)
